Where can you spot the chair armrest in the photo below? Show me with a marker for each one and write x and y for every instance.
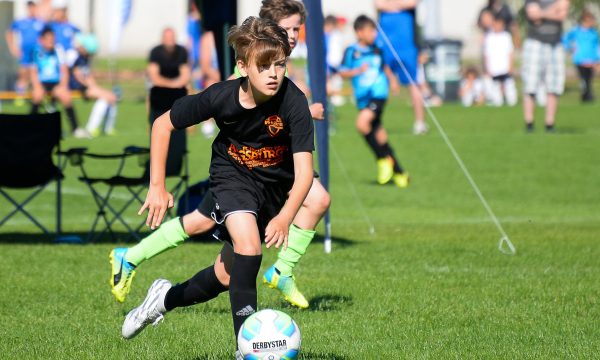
(132, 149)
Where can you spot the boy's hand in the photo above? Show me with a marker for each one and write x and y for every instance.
(317, 111)
(276, 232)
(158, 201)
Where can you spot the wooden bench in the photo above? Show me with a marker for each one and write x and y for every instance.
(12, 95)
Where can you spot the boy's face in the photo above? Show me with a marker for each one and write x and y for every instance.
(47, 41)
(498, 25)
(291, 24)
(367, 34)
(588, 22)
(265, 78)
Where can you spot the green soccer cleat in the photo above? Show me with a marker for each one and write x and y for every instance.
(122, 274)
(401, 180)
(385, 170)
(286, 285)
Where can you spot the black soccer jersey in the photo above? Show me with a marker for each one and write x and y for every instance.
(257, 142)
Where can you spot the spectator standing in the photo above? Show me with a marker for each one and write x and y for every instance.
(334, 50)
(398, 21)
(582, 42)
(498, 54)
(543, 57)
(22, 39)
(64, 31)
(168, 72)
(194, 32)
(499, 9)
(50, 75)
(209, 67)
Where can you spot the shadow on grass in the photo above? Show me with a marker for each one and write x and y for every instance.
(81, 238)
(329, 302)
(305, 355)
(337, 241)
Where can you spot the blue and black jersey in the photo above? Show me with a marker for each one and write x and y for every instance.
(372, 83)
(48, 63)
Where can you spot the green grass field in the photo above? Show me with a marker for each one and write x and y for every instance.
(429, 284)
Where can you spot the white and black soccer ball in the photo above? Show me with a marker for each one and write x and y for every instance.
(269, 335)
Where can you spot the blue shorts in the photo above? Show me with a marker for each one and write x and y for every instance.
(26, 57)
(410, 63)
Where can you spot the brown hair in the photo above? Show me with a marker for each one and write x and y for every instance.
(280, 9)
(261, 40)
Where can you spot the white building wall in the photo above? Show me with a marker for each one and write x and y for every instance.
(150, 17)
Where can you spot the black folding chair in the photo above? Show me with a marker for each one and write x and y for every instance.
(27, 143)
(108, 213)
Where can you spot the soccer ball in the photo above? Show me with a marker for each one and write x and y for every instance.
(269, 335)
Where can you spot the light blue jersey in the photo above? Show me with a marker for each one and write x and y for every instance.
(584, 44)
(372, 83)
(48, 65)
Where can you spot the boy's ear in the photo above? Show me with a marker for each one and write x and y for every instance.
(242, 68)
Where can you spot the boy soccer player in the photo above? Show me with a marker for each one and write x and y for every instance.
(50, 74)
(260, 173)
(289, 14)
(21, 40)
(363, 63)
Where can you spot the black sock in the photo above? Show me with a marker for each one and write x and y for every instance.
(72, 117)
(200, 288)
(35, 108)
(529, 126)
(389, 152)
(550, 128)
(242, 288)
(374, 145)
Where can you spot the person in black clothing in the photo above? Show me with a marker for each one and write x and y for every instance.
(169, 73)
(260, 173)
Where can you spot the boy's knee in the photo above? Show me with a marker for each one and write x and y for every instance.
(195, 223)
(318, 201)
(248, 249)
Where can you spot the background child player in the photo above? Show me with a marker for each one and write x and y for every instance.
(262, 153)
(363, 63)
(289, 14)
(50, 75)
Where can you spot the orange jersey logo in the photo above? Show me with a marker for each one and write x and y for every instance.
(274, 125)
(262, 157)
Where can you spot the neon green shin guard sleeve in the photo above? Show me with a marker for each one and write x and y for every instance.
(298, 241)
(167, 236)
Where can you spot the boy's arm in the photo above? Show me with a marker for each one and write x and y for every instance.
(158, 199)
(185, 75)
(392, 79)
(156, 79)
(277, 229)
(350, 73)
(12, 44)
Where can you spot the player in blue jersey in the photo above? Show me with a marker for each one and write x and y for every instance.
(22, 39)
(50, 75)
(64, 31)
(363, 62)
(398, 21)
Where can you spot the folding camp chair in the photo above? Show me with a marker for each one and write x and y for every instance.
(27, 143)
(108, 212)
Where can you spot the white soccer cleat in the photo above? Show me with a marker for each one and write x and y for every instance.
(420, 128)
(150, 312)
